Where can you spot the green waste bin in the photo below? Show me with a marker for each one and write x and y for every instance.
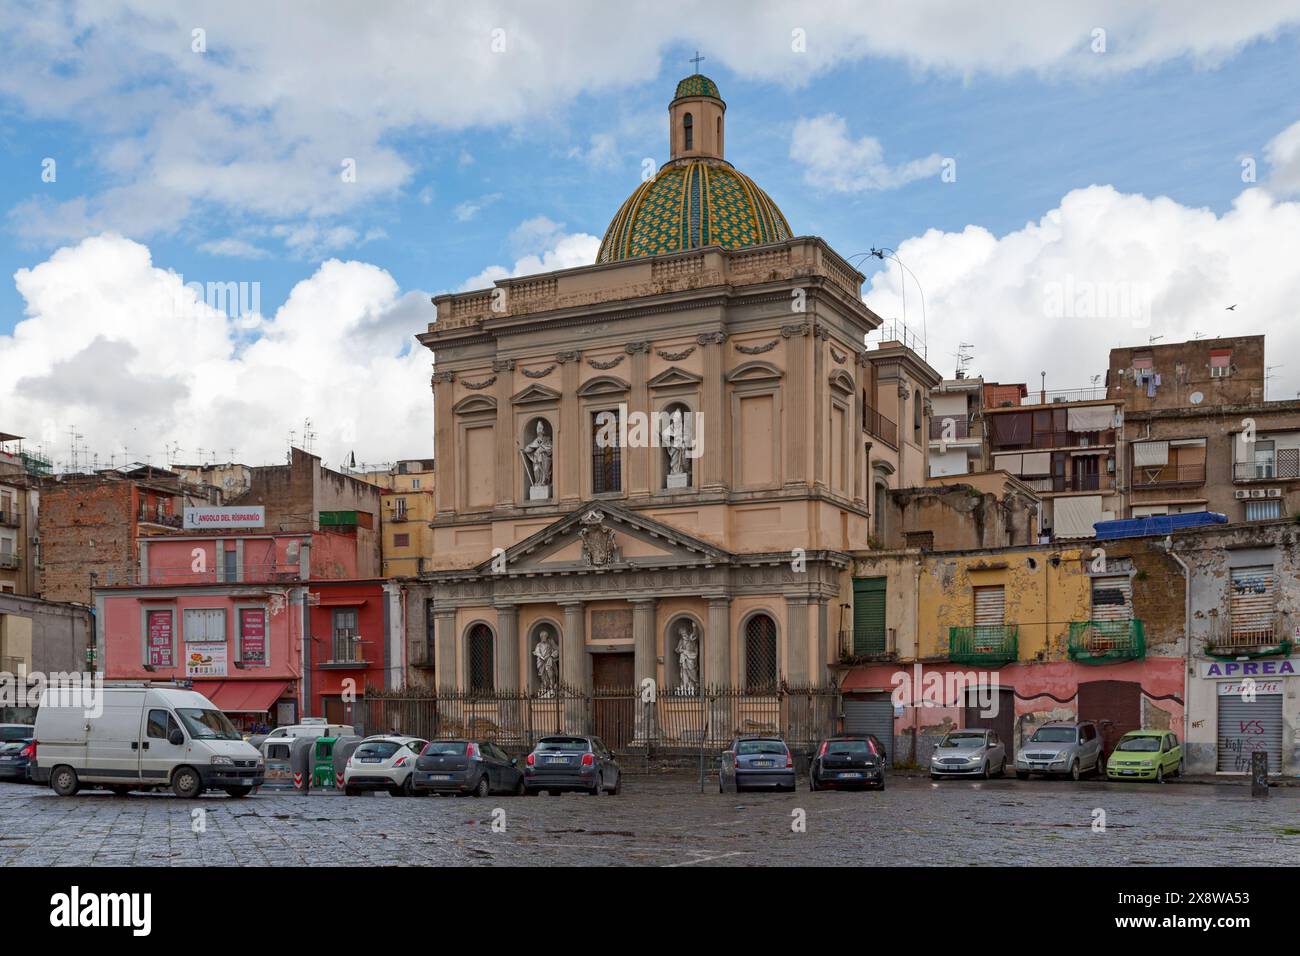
(322, 762)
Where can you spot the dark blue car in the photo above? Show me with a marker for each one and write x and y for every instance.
(16, 760)
(757, 763)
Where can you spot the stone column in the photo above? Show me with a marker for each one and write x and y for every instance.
(796, 638)
(795, 400)
(575, 674)
(825, 641)
(717, 643)
(506, 651)
(445, 442)
(444, 640)
(637, 470)
(643, 665)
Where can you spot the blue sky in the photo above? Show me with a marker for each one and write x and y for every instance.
(468, 162)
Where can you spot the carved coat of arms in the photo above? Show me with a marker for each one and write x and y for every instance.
(598, 548)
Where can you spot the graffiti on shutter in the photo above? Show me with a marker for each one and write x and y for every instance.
(1112, 599)
(990, 605)
(1252, 606)
(1246, 727)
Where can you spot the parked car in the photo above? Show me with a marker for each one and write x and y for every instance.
(757, 762)
(1145, 755)
(309, 727)
(1062, 747)
(844, 762)
(143, 737)
(969, 753)
(572, 762)
(16, 758)
(477, 767)
(12, 732)
(383, 762)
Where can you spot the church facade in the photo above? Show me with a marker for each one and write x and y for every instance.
(655, 467)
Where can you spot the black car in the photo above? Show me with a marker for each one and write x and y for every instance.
(572, 762)
(476, 767)
(843, 762)
(17, 757)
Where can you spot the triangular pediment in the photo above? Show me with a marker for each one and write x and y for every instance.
(633, 542)
(535, 394)
(674, 376)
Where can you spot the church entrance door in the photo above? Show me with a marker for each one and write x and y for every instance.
(614, 701)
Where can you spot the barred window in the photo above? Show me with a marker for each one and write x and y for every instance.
(606, 456)
(482, 676)
(760, 654)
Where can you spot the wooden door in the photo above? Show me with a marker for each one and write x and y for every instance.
(614, 704)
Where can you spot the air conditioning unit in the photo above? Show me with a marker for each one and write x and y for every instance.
(1273, 493)
(1257, 492)
(1241, 493)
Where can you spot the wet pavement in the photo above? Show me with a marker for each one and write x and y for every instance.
(667, 821)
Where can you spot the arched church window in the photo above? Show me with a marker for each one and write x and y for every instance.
(478, 651)
(760, 654)
(606, 457)
(688, 129)
(677, 440)
(538, 457)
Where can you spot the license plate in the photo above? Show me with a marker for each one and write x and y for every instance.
(1128, 773)
(372, 760)
(852, 774)
(1039, 766)
(762, 763)
(437, 776)
(557, 759)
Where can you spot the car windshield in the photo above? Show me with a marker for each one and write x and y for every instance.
(207, 724)
(1140, 744)
(446, 748)
(16, 733)
(963, 741)
(382, 749)
(563, 743)
(848, 747)
(1053, 735)
(760, 747)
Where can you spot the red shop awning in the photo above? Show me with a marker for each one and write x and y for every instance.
(243, 696)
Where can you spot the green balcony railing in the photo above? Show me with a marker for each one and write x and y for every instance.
(983, 644)
(1105, 642)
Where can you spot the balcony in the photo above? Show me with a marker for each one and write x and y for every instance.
(1279, 470)
(348, 653)
(9, 562)
(1168, 476)
(880, 426)
(983, 644)
(161, 519)
(952, 428)
(1264, 638)
(1072, 483)
(9, 518)
(1107, 642)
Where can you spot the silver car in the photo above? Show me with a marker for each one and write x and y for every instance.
(1060, 748)
(969, 753)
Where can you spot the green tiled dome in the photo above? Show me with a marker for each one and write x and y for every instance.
(697, 85)
(704, 202)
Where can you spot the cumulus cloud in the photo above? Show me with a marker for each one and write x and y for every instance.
(541, 246)
(162, 364)
(262, 119)
(1103, 269)
(1283, 155)
(836, 162)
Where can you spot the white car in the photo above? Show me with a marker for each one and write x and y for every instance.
(384, 762)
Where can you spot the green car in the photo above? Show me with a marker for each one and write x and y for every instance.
(1145, 755)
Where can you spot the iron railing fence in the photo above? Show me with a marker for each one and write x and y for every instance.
(621, 716)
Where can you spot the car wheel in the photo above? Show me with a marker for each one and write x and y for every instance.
(483, 788)
(595, 789)
(520, 789)
(986, 773)
(1022, 775)
(934, 776)
(1160, 773)
(63, 781)
(239, 791)
(186, 783)
(813, 786)
(1075, 774)
(1100, 767)
(618, 784)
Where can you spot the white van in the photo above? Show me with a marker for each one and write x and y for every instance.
(137, 735)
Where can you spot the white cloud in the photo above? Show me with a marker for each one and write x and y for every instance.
(559, 250)
(1104, 269)
(262, 121)
(469, 208)
(1283, 155)
(833, 161)
(235, 248)
(151, 363)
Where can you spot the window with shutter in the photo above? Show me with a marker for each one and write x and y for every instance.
(869, 616)
(1251, 606)
(1112, 599)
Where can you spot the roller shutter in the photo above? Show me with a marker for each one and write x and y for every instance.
(990, 605)
(1112, 599)
(1246, 727)
(869, 616)
(1252, 605)
(865, 715)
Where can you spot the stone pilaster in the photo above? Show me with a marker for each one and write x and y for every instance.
(571, 446)
(637, 469)
(796, 639)
(643, 664)
(444, 439)
(507, 647)
(574, 672)
(444, 641)
(714, 465)
(717, 643)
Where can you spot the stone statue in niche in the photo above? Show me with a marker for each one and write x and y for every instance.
(688, 659)
(546, 655)
(675, 441)
(537, 462)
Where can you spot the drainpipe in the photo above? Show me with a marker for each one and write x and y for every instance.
(1168, 545)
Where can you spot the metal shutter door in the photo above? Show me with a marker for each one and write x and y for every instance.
(863, 716)
(1252, 605)
(1112, 599)
(990, 605)
(868, 615)
(1247, 727)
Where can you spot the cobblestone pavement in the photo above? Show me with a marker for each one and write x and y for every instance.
(666, 821)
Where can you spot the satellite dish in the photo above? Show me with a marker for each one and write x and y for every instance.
(1196, 398)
